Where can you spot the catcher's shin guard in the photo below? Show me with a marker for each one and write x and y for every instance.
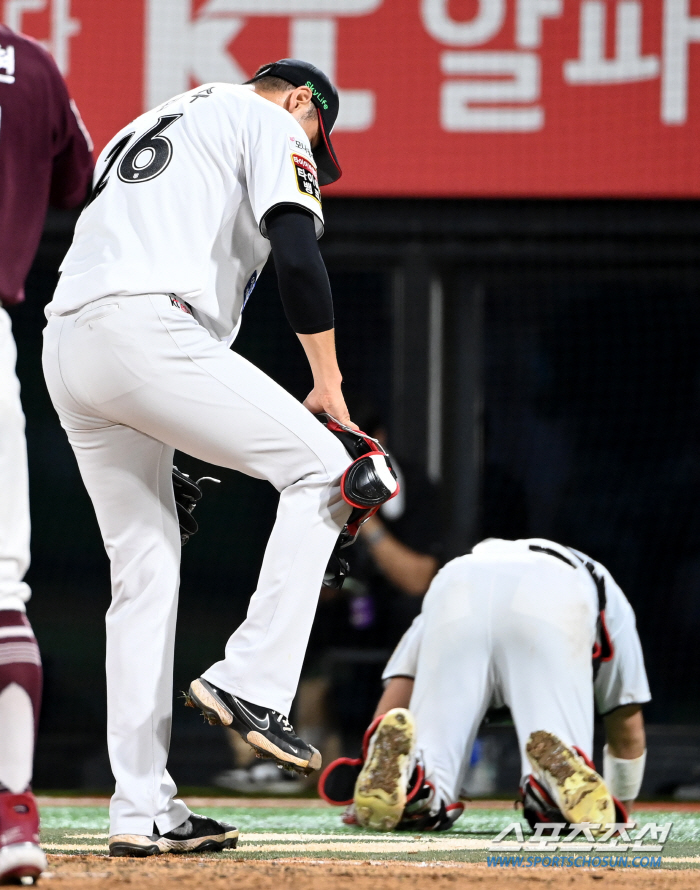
(368, 482)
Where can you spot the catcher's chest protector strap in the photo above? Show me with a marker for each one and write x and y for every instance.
(603, 649)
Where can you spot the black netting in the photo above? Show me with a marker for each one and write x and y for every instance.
(591, 393)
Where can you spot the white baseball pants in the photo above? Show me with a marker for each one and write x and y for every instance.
(14, 477)
(519, 629)
(132, 379)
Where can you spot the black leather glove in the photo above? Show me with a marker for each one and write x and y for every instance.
(187, 494)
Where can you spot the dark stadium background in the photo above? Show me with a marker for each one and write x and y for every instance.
(566, 406)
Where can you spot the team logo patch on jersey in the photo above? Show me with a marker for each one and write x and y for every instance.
(179, 304)
(307, 181)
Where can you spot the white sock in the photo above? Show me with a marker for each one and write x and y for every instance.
(16, 738)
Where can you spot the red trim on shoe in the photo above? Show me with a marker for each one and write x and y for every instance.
(349, 761)
(19, 819)
(543, 791)
(535, 789)
(420, 781)
(586, 759)
(369, 732)
(455, 806)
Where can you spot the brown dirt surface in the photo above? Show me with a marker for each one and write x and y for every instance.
(195, 873)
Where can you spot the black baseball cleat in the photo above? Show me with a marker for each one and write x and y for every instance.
(198, 834)
(268, 732)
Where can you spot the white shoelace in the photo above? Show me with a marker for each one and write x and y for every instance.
(286, 725)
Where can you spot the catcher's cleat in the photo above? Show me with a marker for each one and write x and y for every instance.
(268, 732)
(21, 858)
(573, 786)
(198, 834)
(381, 789)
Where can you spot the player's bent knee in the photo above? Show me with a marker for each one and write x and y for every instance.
(334, 461)
(340, 459)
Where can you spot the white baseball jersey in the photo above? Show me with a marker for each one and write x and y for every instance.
(621, 680)
(515, 623)
(179, 204)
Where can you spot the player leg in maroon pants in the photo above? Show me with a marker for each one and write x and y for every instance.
(20, 699)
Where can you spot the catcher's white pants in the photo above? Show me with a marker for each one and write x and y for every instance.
(132, 379)
(514, 628)
(14, 515)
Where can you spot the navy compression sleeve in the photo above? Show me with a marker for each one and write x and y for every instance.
(301, 273)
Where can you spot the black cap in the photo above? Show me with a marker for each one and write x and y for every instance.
(325, 98)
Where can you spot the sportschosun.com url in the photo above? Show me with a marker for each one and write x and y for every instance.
(573, 861)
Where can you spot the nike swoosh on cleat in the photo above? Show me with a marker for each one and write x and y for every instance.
(261, 724)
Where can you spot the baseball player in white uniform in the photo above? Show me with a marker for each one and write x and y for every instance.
(188, 202)
(529, 624)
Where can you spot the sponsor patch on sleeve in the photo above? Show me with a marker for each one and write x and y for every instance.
(307, 180)
(299, 146)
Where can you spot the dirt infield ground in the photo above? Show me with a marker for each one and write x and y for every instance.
(191, 873)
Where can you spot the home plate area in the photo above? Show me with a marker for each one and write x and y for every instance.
(304, 843)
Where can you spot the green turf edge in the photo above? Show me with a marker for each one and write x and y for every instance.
(57, 822)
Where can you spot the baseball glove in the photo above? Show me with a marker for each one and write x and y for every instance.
(187, 495)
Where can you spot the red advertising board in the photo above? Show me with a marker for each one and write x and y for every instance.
(448, 98)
